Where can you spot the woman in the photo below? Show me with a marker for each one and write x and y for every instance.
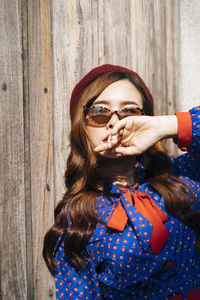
(129, 224)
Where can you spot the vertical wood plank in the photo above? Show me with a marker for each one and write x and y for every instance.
(114, 32)
(12, 203)
(41, 139)
(27, 162)
(172, 54)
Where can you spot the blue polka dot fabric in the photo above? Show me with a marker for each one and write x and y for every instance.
(122, 264)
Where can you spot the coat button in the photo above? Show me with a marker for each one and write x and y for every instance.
(169, 265)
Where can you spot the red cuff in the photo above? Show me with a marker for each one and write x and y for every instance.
(184, 138)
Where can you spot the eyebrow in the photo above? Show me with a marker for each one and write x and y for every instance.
(123, 102)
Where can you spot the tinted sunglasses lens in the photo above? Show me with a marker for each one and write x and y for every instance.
(98, 117)
(130, 112)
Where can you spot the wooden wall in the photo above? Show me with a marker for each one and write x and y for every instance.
(46, 46)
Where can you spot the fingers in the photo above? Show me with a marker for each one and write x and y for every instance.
(107, 145)
(119, 136)
(111, 142)
(119, 127)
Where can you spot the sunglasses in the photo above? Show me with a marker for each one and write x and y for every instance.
(98, 116)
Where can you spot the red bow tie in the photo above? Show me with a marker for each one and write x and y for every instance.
(150, 210)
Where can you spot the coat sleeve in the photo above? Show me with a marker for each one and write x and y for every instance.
(187, 165)
(72, 284)
(189, 130)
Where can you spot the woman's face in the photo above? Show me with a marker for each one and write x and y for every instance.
(117, 96)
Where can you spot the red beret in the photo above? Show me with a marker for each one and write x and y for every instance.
(95, 73)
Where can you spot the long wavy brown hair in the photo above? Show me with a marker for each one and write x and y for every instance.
(75, 214)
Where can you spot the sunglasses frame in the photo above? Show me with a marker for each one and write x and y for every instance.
(87, 108)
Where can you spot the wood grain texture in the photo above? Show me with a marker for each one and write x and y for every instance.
(114, 32)
(27, 161)
(12, 192)
(41, 139)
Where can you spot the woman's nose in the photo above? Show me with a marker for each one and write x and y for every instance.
(114, 118)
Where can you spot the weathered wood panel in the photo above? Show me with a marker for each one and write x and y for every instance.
(12, 191)
(27, 169)
(41, 140)
(114, 23)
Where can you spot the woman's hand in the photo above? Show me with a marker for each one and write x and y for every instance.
(134, 135)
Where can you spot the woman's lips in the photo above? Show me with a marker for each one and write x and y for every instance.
(106, 138)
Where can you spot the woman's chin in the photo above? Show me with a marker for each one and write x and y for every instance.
(110, 154)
